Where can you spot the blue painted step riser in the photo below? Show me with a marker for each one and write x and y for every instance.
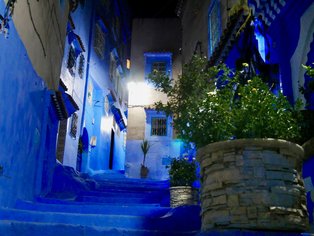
(31, 229)
(116, 200)
(140, 210)
(121, 193)
(98, 220)
(128, 188)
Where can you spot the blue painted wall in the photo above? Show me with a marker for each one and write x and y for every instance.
(24, 117)
(285, 34)
(76, 85)
(91, 92)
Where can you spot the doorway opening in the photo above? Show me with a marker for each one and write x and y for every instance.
(111, 150)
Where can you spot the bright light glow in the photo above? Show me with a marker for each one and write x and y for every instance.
(138, 93)
(261, 45)
(105, 124)
(128, 63)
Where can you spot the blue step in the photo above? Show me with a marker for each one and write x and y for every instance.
(17, 228)
(153, 197)
(81, 203)
(117, 200)
(152, 210)
(175, 220)
(149, 194)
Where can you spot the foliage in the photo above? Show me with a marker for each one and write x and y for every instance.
(182, 172)
(210, 104)
(309, 88)
(309, 70)
(145, 146)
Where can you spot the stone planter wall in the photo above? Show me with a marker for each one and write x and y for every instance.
(253, 184)
(183, 195)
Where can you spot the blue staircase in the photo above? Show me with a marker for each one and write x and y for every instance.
(112, 206)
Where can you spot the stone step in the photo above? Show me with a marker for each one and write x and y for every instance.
(181, 219)
(129, 183)
(151, 210)
(117, 200)
(118, 193)
(73, 201)
(17, 228)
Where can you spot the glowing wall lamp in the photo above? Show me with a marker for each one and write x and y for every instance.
(128, 64)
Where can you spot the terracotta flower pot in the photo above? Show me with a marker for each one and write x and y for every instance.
(253, 184)
(144, 171)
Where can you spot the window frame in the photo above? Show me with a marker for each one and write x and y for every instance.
(99, 41)
(154, 57)
(71, 60)
(150, 115)
(158, 118)
(214, 6)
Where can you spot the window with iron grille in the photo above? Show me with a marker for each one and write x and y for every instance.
(71, 63)
(214, 26)
(73, 129)
(112, 67)
(159, 126)
(99, 42)
(81, 66)
(159, 66)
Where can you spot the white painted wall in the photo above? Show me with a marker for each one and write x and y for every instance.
(156, 36)
(42, 28)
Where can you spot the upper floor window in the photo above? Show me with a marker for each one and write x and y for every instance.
(99, 41)
(81, 66)
(214, 26)
(71, 62)
(160, 66)
(112, 66)
(161, 62)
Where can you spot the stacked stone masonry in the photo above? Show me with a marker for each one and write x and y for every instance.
(253, 187)
(183, 195)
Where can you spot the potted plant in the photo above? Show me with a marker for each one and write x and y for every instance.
(145, 146)
(250, 174)
(182, 175)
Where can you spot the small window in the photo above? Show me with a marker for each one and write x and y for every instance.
(113, 67)
(159, 126)
(99, 42)
(214, 26)
(159, 66)
(81, 66)
(73, 129)
(161, 62)
(71, 63)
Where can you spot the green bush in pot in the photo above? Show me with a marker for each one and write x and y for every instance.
(182, 172)
(182, 175)
(240, 128)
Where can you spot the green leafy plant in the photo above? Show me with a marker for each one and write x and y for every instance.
(145, 146)
(309, 88)
(211, 104)
(182, 172)
(309, 70)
